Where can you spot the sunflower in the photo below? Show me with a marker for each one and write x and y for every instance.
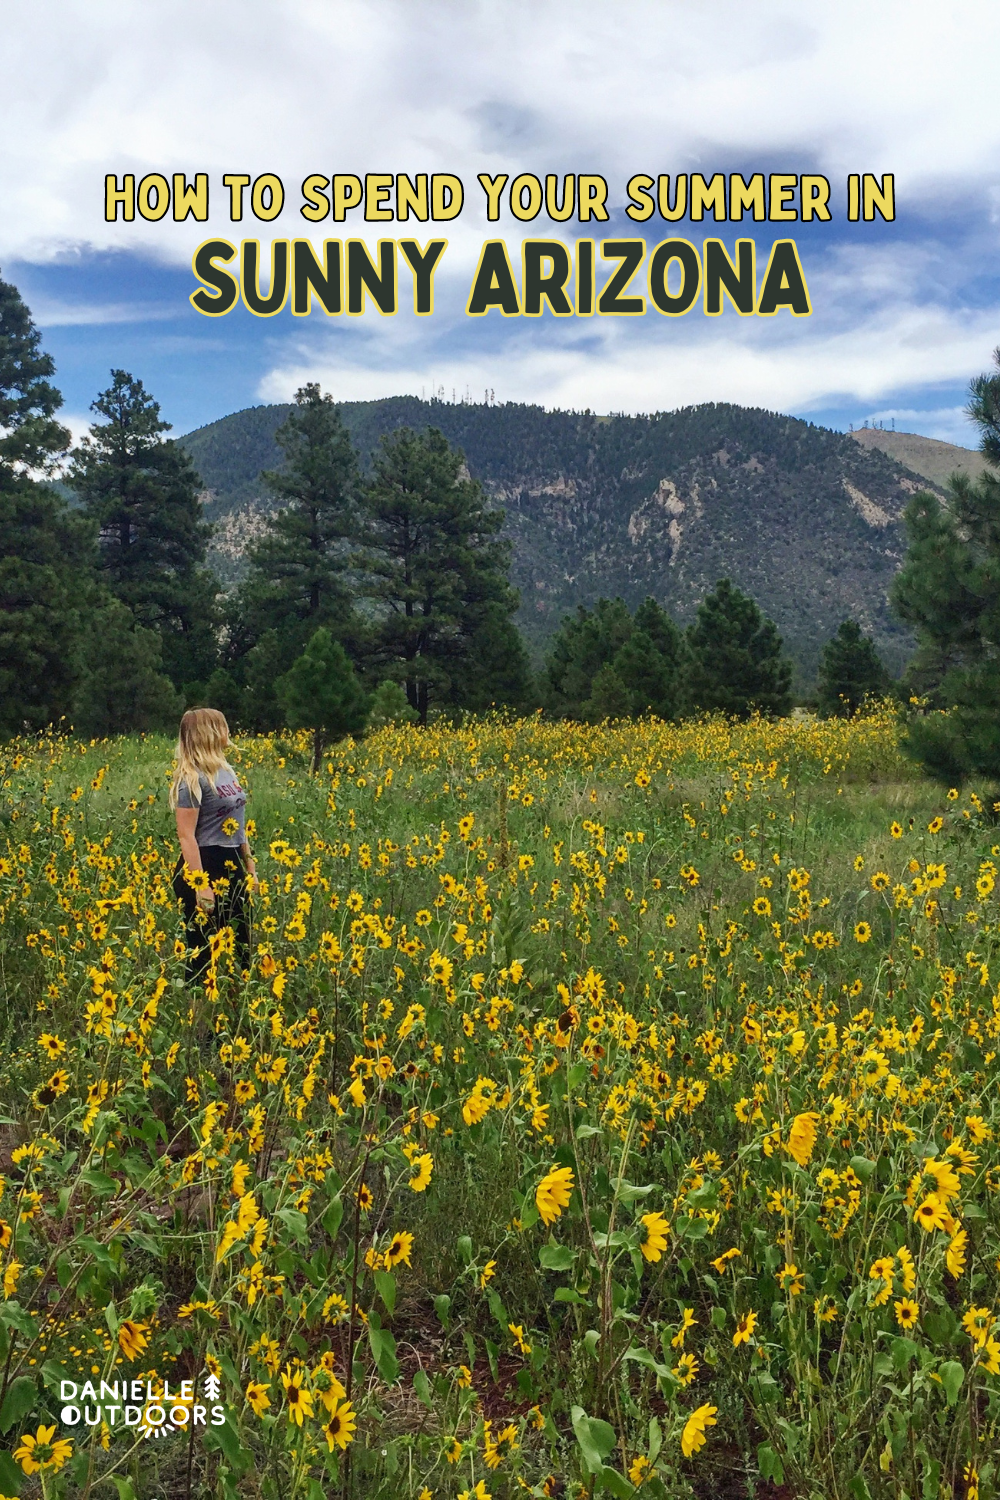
(825, 1309)
(300, 1401)
(686, 1369)
(744, 1329)
(935, 825)
(688, 1320)
(553, 1193)
(693, 1437)
(132, 1338)
(335, 1308)
(907, 1312)
(656, 1229)
(931, 1214)
(257, 1397)
(51, 1044)
(365, 1197)
(43, 1451)
(896, 831)
(399, 1249)
(339, 1431)
(978, 1323)
(424, 1165)
(862, 932)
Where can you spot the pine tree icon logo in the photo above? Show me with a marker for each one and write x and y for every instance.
(213, 1387)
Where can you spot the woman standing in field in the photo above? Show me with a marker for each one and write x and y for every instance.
(215, 865)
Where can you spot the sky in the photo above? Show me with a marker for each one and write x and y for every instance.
(904, 313)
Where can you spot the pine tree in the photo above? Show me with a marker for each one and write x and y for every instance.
(850, 671)
(495, 670)
(142, 492)
(645, 652)
(585, 642)
(122, 688)
(321, 692)
(300, 570)
(389, 705)
(651, 661)
(609, 698)
(44, 547)
(436, 570)
(736, 664)
(948, 590)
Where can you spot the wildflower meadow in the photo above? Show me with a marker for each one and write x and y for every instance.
(605, 1110)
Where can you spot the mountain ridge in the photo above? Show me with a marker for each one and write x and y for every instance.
(804, 519)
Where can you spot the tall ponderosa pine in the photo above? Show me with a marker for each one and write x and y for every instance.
(850, 671)
(948, 590)
(143, 492)
(436, 569)
(736, 662)
(42, 543)
(299, 570)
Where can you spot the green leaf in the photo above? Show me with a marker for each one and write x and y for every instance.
(296, 1224)
(333, 1217)
(422, 1386)
(465, 1248)
(100, 1182)
(616, 1484)
(584, 1132)
(596, 1439)
(718, 1316)
(567, 1294)
(530, 1215)
(442, 1306)
(555, 1257)
(384, 1350)
(385, 1284)
(629, 1193)
(112, 1319)
(769, 1464)
(952, 1374)
(655, 1440)
(577, 1074)
(497, 1309)
(491, 1354)
(146, 1242)
(229, 1442)
(642, 1356)
(22, 1395)
(11, 1475)
(863, 1167)
(902, 1351)
(591, 1339)
(707, 1196)
(124, 1487)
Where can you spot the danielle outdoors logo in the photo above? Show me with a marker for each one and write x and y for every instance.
(149, 1405)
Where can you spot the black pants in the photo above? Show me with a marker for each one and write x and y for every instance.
(231, 908)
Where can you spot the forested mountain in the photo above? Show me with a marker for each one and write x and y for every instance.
(803, 519)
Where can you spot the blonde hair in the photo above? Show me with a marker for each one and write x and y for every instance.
(201, 751)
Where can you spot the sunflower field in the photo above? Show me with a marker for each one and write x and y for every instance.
(605, 1110)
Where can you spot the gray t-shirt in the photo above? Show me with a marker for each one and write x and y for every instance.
(219, 810)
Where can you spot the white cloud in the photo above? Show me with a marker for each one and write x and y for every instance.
(297, 86)
(544, 85)
(606, 369)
